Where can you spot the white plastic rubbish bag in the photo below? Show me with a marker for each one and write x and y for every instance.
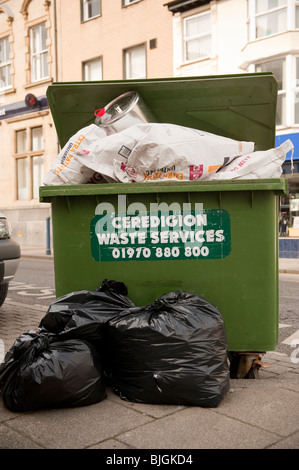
(167, 152)
(144, 153)
(67, 167)
(260, 164)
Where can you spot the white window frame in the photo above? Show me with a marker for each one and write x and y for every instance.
(86, 74)
(84, 10)
(296, 9)
(290, 7)
(290, 89)
(27, 155)
(38, 59)
(270, 12)
(37, 174)
(126, 3)
(199, 36)
(5, 65)
(127, 66)
(282, 94)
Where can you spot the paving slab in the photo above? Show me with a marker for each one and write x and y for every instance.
(77, 428)
(267, 407)
(10, 439)
(198, 428)
(290, 442)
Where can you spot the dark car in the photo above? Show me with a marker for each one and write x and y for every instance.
(10, 254)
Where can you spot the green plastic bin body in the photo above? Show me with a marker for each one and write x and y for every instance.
(230, 255)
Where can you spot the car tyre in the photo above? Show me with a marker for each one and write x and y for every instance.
(3, 292)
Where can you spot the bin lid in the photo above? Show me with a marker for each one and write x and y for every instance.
(240, 106)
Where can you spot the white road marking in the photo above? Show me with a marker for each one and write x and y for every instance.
(291, 339)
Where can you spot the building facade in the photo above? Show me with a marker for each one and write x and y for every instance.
(43, 41)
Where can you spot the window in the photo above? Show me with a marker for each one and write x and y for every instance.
(271, 17)
(5, 64)
(267, 17)
(90, 9)
(197, 36)
(22, 179)
(37, 174)
(135, 62)
(21, 141)
(29, 162)
(37, 139)
(278, 68)
(125, 3)
(38, 52)
(92, 70)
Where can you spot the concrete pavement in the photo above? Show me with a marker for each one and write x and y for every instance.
(255, 414)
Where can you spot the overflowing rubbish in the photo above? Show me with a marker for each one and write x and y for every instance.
(159, 152)
(124, 111)
(173, 351)
(144, 153)
(262, 164)
(66, 168)
(73, 163)
(126, 144)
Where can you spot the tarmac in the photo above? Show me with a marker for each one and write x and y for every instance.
(255, 414)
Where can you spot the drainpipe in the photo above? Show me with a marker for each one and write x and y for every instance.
(55, 40)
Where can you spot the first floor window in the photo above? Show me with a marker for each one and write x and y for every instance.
(128, 2)
(29, 162)
(135, 62)
(5, 64)
(90, 9)
(286, 72)
(92, 70)
(37, 143)
(37, 174)
(278, 68)
(197, 36)
(38, 52)
(271, 17)
(268, 17)
(22, 179)
(21, 141)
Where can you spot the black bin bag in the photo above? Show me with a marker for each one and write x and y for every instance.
(171, 352)
(39, 371)
(83, 314)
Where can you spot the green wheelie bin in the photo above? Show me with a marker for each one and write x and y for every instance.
(231, 254)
